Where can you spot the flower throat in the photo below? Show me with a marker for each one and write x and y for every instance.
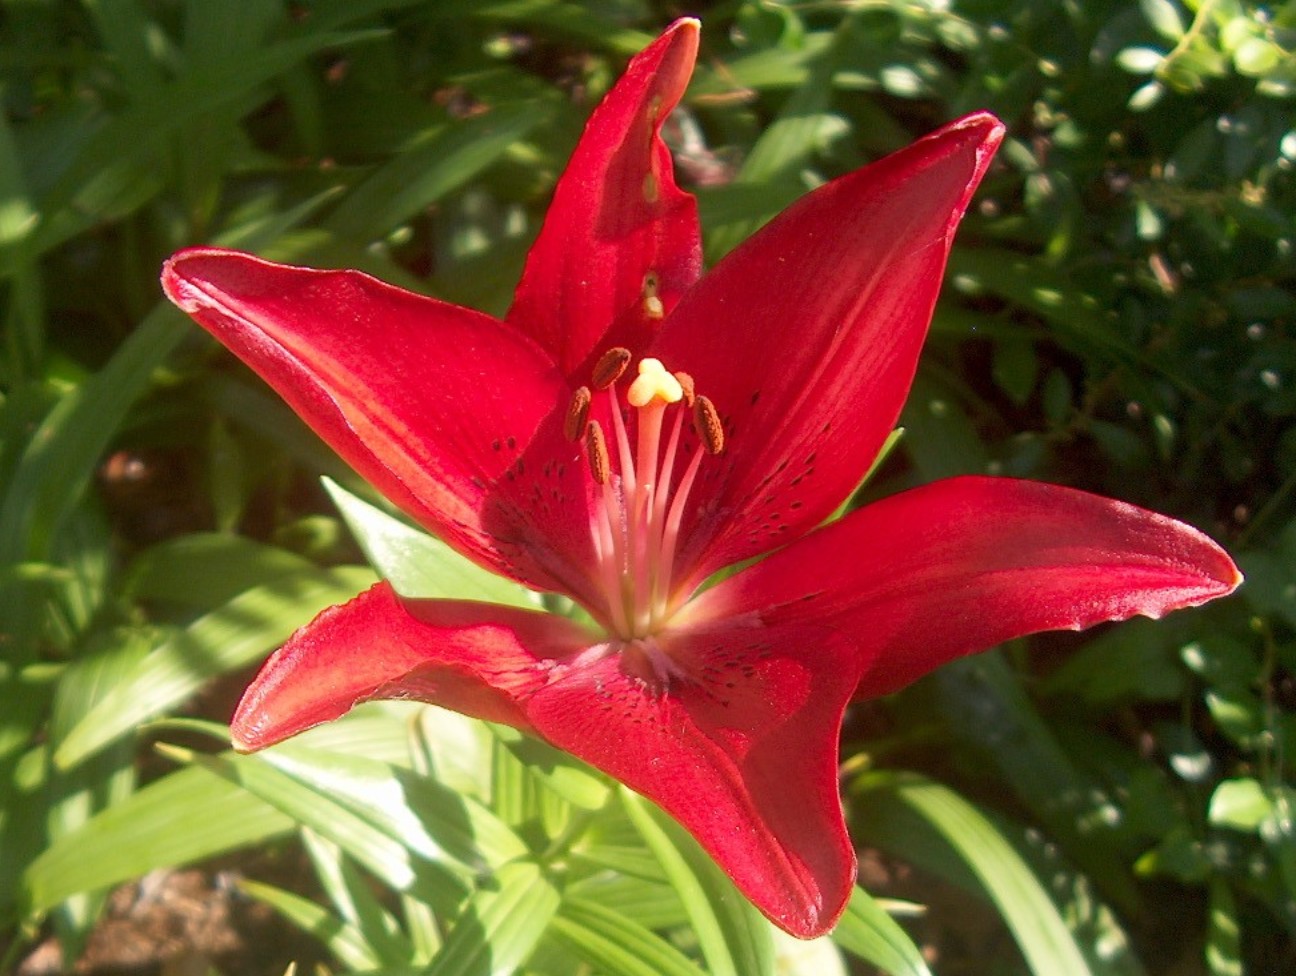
(636, 528)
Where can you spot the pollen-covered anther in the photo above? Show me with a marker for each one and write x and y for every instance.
(706, 421)
(596, 452)
(654, 383)
(685, 381)
(577, 414)
(609, 367)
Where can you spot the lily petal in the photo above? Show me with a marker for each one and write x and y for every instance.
(441, 408)
(479, 659)
(616, 217)
(741, 750)
(960, 565)
(807, 336)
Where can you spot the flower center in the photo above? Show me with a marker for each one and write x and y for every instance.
(636, 528)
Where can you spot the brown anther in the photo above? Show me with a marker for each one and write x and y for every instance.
(596, 451)
(650, 283)
(707, 424)
(686, 384)
(577, 414)
(610, 367)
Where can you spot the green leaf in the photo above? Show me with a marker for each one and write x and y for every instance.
(500, 926)
(865, 930)
(206, 569)
(123, 152)
(1163, 15)
(436, 165)
(1239, 804)
(734, 937)
(345, 941)
(372, 846)
(415, 811)
(1257, 56)
(181, 818)
(565, 775)
(1223, 933)
(578, 21)
(775, 162)
(60, 458)
(417, 564)
(614, 944)
(234, 636)
(356, 903)
(1239, 714)
(1034, 920)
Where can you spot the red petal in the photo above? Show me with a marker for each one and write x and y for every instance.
(957, 566)
(475, 658)
(807, 336)
(448, 412)
(616, 215)
(743, 753)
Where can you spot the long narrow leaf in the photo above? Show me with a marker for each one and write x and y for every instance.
(734, 937)
(343, 940)
(234, 636)
(500, 926)
(615, 944)
(181, 818)
(416, 563)
(389, 859)
(1029, 912)
(870, 933)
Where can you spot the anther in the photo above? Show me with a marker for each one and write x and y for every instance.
(652, 305)
(577, 414)
(596, 450)
(610, 367)
(686, 384)
(707, 424)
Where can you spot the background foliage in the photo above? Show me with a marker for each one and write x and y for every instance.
(1118, 316)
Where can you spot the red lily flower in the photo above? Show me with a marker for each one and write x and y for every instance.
(633, 426)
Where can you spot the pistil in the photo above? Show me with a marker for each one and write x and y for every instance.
(636, 528)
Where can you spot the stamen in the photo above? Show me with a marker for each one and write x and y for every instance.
(686, 384)
(636, 529)
(706, 421)
(596, 450)
(577, 414)
(653, 307)
(610, 367)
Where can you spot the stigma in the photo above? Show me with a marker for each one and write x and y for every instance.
(635, 525)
